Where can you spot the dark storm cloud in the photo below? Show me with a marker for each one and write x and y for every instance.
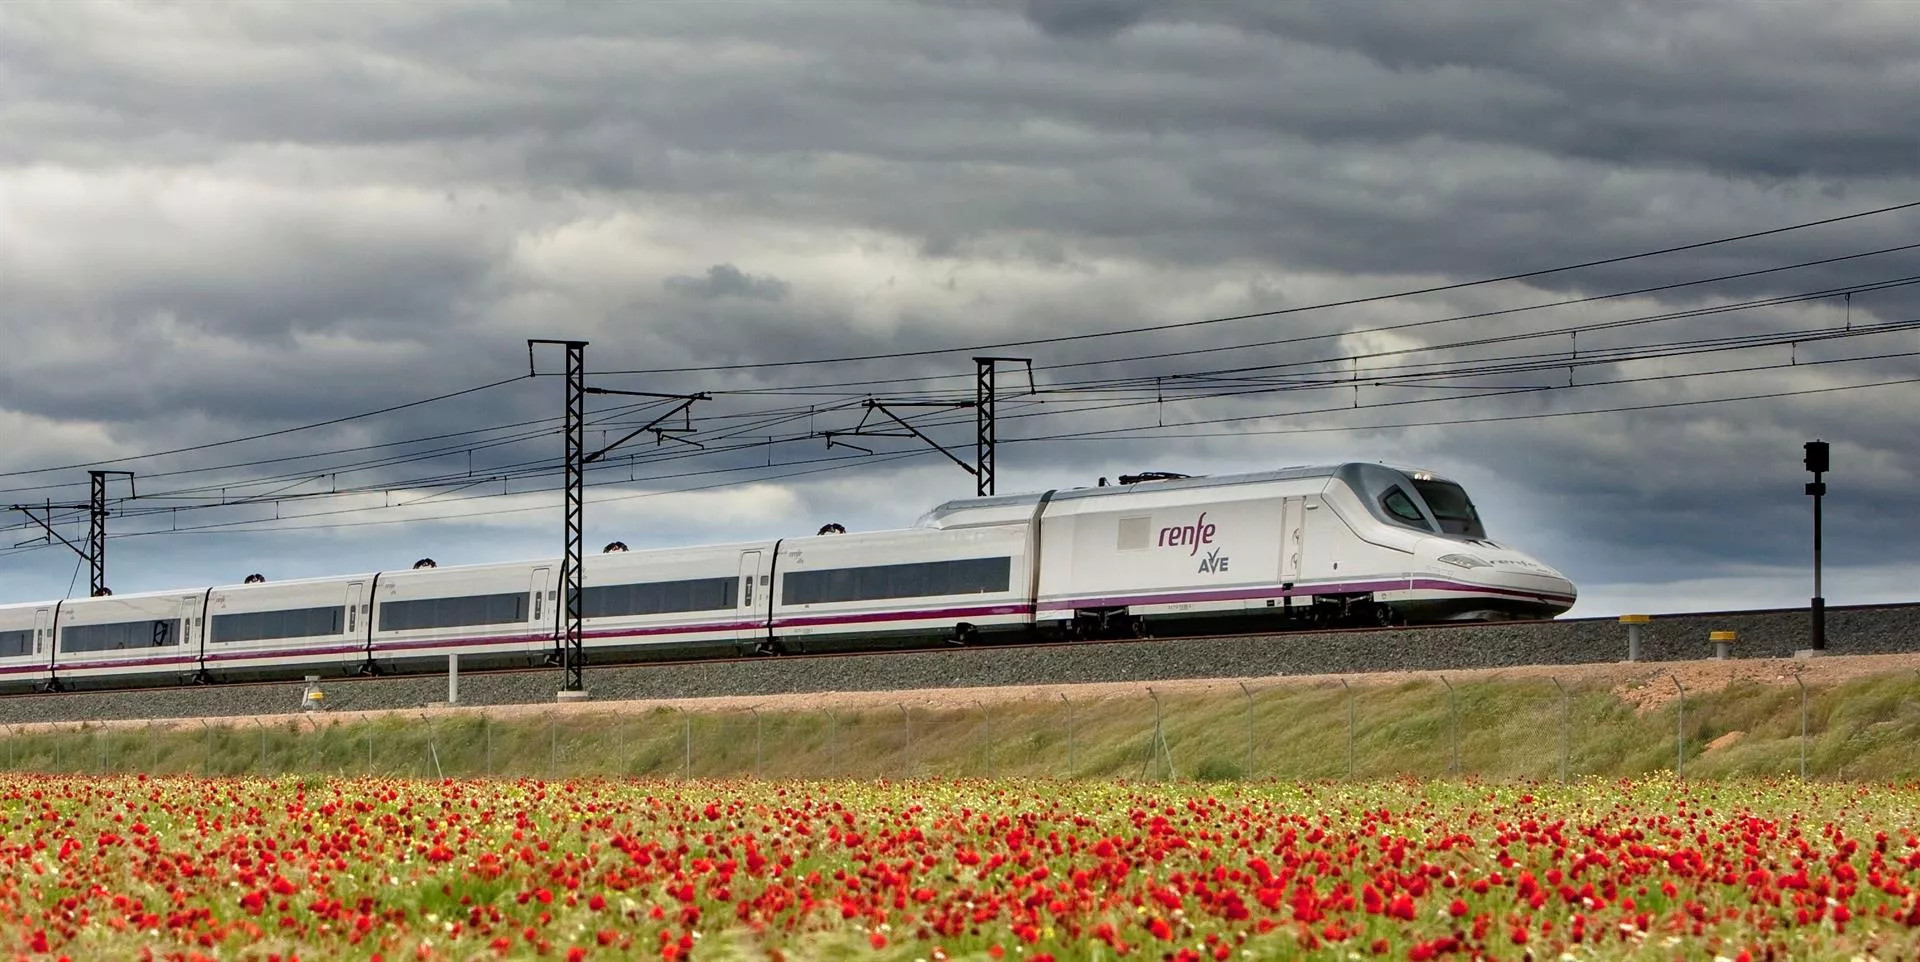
(1080, 19)
(222, 219)
(726, 280)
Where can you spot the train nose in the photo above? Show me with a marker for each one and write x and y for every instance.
(1527, 584)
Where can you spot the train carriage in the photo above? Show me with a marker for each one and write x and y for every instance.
(896, 587)
(145, 638)
(693, 598)
(26, 632)
(489, 615)
(273, 629)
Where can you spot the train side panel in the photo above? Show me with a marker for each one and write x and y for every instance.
(1167, 552)
(287, 628)
(26, 635)
(895, 587)
(696, 598)
(489, 615)
(130, 639)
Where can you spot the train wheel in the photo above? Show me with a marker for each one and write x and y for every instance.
(963, 635)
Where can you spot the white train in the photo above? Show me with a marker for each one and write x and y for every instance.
(1345, 544)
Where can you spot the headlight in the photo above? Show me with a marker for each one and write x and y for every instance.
(1463, 561)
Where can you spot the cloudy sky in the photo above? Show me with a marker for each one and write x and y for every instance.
(223, 221)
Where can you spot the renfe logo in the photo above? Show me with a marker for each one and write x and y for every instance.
(1195, 534)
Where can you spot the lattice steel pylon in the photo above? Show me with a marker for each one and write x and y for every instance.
(983, 426)
(573, 647)
(569, 641)
(95, 553)
(984, 397)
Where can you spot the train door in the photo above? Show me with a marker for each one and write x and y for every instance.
(356, 631)
(43, 631)
(189, 641)
(190, 611)
(753, 599)
(1293, 530)
(542, 578)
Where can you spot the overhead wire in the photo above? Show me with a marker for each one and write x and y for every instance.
(1325, 305)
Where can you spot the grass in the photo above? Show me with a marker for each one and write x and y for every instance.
(1496, 728)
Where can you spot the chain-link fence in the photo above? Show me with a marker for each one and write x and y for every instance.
(1538, 726)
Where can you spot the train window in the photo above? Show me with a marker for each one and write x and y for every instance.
(14, 643)
(966, 576)
(1452, 508)
(1402, 508)
(267, 625)
(453, 612)
(657, 598)
(154, 633)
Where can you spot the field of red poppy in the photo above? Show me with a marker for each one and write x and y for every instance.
(184, 867)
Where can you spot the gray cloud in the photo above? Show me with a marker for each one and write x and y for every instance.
(1084, 19)
(726, 280)
(229, 219)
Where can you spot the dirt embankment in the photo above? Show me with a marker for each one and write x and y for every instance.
(1649, 686)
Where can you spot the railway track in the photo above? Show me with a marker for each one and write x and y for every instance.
(1867, 629)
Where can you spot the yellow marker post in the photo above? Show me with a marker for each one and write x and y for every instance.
(1723, 643)
(1633, 623)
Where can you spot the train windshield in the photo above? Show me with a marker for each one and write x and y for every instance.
(1452, 508)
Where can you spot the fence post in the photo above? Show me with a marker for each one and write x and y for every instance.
(1453, 728)
(206, 748)
(758, 741)
(833, 743)
(686, 743)
(621, 737)
(987, 717)
(1803, 724)
(1158, 741)
(906, 741)
(101, 738)
(1566, 726)
(369, 749)
(263, 745)
(1069, 704)
(1679, 727)
(1249, 697)
(1350, 726)
(486, 739)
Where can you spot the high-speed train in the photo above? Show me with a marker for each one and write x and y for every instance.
(1308, 546)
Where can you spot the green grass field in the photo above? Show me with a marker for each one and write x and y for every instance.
(1495, 728)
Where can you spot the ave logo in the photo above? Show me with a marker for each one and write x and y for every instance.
(1192, 537)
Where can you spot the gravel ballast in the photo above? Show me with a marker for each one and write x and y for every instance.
(1762, 634)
